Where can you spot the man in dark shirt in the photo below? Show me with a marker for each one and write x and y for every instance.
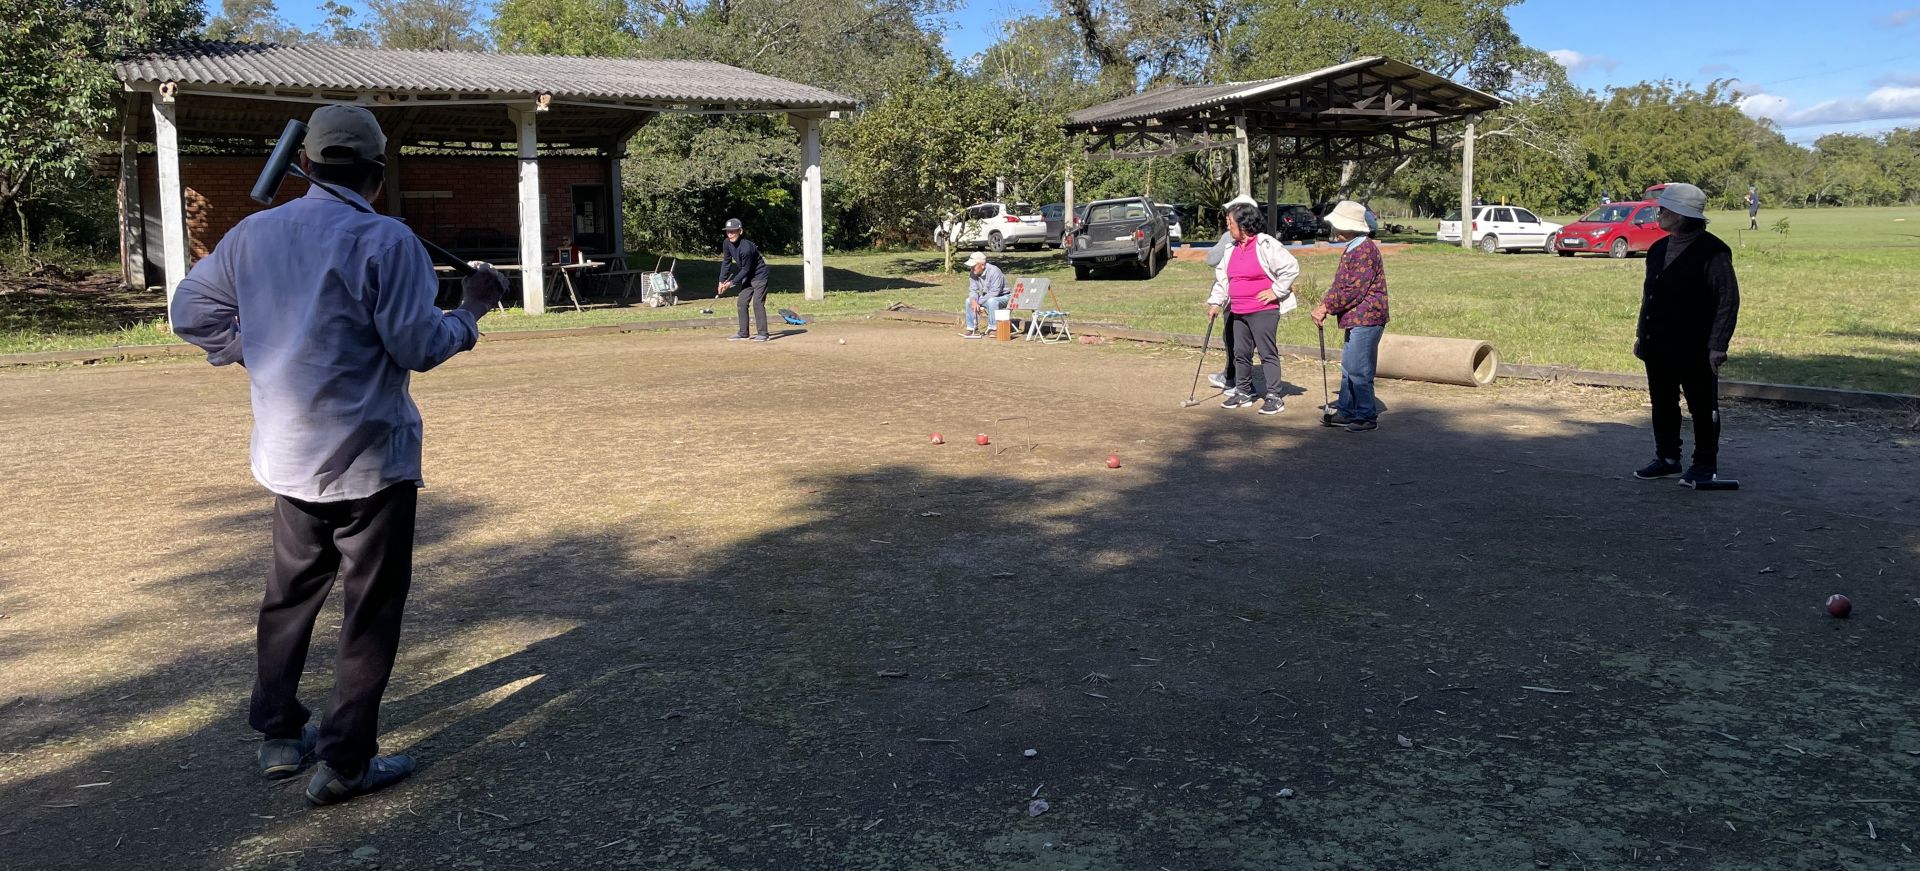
(741, 266)
(1689, 305)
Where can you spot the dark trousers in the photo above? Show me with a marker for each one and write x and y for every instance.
(1668, 376)
(1226, 344)
(754, 294)
(1256, 331)
(367, 544)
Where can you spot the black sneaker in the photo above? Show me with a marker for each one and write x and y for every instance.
(1339, 418)
(763, 337)
(1236, 399)
(329, 787)
(737, 338)
(1273, 405)
(281, 758)
(1363, 426)
(1661, 467)
(1696, 476)
(1218, 382)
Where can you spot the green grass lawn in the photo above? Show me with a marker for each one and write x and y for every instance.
(1834, 302)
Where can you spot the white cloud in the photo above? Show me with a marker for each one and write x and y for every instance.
(1885, 103)
(1577, 62)
(1910, 80)
(1902, 16)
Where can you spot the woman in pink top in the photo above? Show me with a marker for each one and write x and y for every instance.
(1255, 283)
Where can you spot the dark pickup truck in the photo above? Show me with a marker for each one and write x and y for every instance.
(1126, 232)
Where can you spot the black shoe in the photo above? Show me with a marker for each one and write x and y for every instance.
(763, 337)
(1696, 476)
(329, 787)
(1661, 467)
(281, 758)
(1339, 418)
(1236, 399)
(1363, 426)
(1273, 405)
(737, 338)
(1219, 382)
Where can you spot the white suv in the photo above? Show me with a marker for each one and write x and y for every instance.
(1501, 228)
(995, 227)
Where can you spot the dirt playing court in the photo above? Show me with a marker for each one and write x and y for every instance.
(681, 603)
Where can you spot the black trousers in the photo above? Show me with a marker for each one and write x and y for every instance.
(1668, 376)
(1256, 331)
(754, 294)
(366, 544)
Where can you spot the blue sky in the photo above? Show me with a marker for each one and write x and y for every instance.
(1813, 68)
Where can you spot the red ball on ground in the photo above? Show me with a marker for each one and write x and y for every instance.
(980, 439)
(1839, 606)
(936, 439)
(1113, 461)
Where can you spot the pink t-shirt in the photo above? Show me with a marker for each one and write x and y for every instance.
(1245, 280)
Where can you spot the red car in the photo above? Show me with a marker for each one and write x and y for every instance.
(1619, 229)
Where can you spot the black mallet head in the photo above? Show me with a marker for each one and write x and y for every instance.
(281, 160)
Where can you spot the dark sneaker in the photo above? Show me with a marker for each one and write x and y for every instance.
(1236, 399)
(329, 787)
(737, 338)
(763, 337)
(1218, 382)
(1363, 426)
(1273, 405)
(281, 758)
(1696, 476)
(1661, 467)
(1339, 418)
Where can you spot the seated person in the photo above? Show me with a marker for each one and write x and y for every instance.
(986, 292)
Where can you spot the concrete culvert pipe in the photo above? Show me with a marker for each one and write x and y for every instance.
(1466, 362)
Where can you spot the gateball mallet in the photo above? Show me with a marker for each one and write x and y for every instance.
(1194, 391)
(1326, 393)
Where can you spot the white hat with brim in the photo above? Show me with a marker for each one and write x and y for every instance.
(1681, 198)
(1241, 200)
(1349, 217)
(976, 258)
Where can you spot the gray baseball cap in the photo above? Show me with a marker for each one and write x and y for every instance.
(1681, 198)
(343, 134)
(732, 225)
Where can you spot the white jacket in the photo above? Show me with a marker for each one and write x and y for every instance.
(1279, 264)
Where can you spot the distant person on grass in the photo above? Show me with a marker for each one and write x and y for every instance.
(742, 266)
(1254, 282)
(1223, 381)
(1358, 297)
(1689, 305)
(986, 293)
(329, 309)
(1753, 208)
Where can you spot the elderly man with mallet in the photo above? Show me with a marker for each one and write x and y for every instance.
(329, 306)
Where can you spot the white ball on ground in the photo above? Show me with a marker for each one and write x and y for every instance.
(843, 341)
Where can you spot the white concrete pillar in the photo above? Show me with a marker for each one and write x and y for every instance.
(1067, 220)
(1466, 187)
(173, 218)
(133, 221)
(812, 226)
(533, 255)
(1242, 156)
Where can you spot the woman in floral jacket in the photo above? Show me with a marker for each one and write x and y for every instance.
(1358, 295)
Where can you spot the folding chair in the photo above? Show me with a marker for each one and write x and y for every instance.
(1033, 297)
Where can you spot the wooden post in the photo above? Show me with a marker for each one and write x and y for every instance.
(812, 230)
(173, 219)
(617, 193)
(1273, 184)
(133, 221)
(533, 255)
(1466, 186)
(1242, 156)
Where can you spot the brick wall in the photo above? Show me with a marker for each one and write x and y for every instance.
(452, 198)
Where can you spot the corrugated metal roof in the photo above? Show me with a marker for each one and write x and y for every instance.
(1454, 98)
(326, 67)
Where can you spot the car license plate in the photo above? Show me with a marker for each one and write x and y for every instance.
(1573, 243)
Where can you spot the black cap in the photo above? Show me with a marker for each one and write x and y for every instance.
(732, 225)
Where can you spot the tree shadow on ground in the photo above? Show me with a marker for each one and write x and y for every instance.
(1423, 638)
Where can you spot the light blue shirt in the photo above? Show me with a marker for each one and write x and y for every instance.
(1355, 242)
(991, 282)
(329, 309)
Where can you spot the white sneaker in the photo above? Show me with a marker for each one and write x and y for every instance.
(1218, 381)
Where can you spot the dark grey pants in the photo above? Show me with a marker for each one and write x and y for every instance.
(754, 294)
(1256, 331)
(1668, 376)
(367, 545)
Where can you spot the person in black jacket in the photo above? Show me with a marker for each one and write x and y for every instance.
(741, 266)
(1688, 308)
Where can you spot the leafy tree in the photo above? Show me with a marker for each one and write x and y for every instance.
(600, 28)
(432, 24)
(56, 85)
(253, 21)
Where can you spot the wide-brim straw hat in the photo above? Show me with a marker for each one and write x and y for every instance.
(1349, 217)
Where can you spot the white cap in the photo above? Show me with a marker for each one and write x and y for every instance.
(1241, 200)
(976, 258)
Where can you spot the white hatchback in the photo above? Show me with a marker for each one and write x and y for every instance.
(995, 227)
(1501, 228)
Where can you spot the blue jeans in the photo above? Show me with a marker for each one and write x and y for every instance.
(1357, 362)
(990, 303)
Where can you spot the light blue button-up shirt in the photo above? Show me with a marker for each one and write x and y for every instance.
(329, 309)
